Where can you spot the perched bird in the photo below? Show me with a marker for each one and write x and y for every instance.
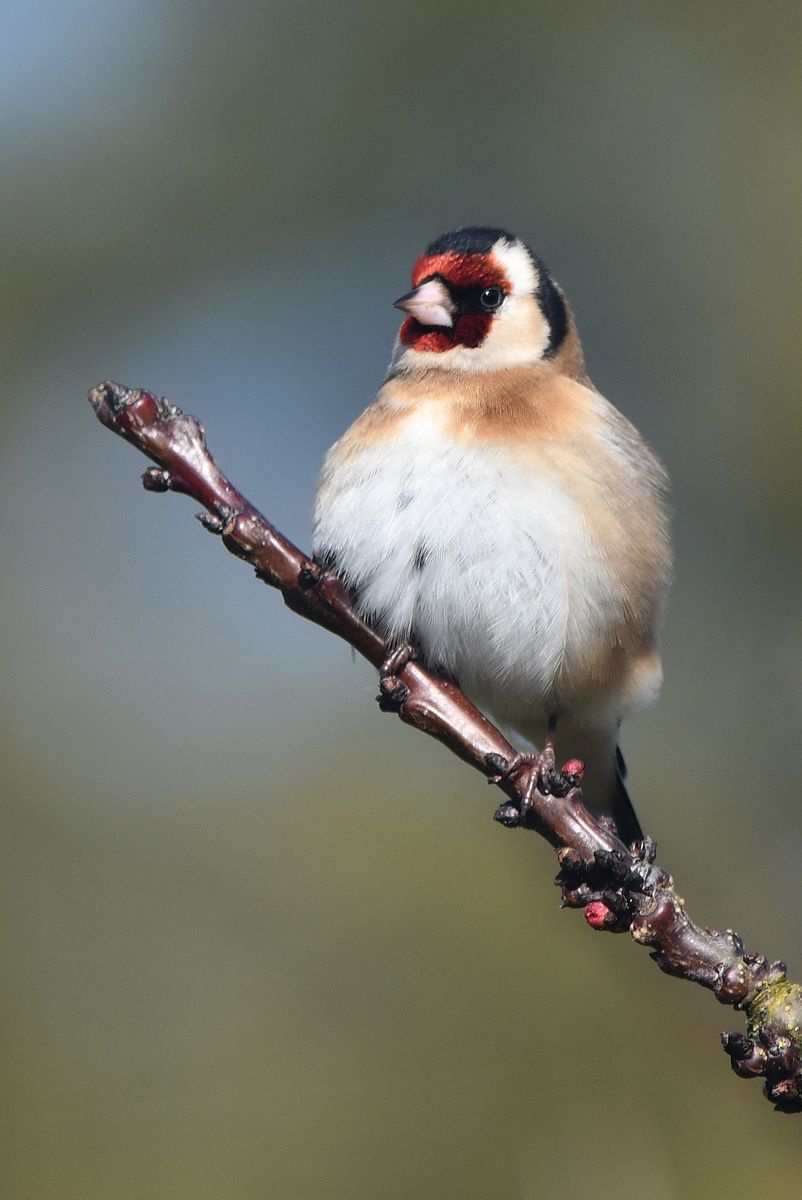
(492, 510)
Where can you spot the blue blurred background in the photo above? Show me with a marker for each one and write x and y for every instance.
(259, 940)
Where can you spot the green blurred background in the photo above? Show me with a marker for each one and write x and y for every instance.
(260, 941)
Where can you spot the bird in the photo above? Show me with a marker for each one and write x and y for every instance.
(495, 514)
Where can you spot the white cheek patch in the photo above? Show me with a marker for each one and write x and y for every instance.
(519, 333)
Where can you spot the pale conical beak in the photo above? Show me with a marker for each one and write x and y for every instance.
(430, 304)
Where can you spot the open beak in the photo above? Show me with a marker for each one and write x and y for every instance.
(430, 304)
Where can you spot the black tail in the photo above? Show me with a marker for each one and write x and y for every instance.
(626, 821)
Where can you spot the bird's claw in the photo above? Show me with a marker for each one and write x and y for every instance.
(397, 659)
(543, 776)
(392, 692)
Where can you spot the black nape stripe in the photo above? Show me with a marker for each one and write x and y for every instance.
(473, 239)
(553, 308)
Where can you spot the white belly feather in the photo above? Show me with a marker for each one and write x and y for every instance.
(484, 562)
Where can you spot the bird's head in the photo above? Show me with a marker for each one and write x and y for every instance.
(481, 300)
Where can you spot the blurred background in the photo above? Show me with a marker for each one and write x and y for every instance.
(260, 941)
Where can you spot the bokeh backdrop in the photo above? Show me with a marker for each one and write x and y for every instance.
(260, 941)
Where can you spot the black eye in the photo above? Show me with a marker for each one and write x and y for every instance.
(491, 298)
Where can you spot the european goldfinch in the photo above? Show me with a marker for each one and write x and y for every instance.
(494, 511)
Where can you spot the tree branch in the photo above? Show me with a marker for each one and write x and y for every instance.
(620, 888)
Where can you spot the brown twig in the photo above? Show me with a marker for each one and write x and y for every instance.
(620, 888)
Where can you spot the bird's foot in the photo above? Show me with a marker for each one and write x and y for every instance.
(542, 776)
(392, 692)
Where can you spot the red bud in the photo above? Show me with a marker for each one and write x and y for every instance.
(574, 769)
(598, 915)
